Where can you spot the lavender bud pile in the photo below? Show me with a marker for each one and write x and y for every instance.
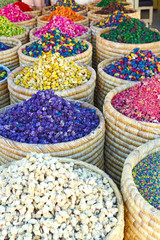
(46, 118)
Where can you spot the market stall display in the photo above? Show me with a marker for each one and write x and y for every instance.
(123, 39)
(65, 12)
(132, 118)
(56, 41)
(66, 184)
(74, 129)
(65, 77)
(137, 66)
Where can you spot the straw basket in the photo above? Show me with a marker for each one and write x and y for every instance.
(37, 11)
(84, 92)
(42, 23)
(85, 57)
(94, 31)
(88, 149)
(106, 49)
(46, 10)
(106, 82)
(9, 58)
(142, 221)
(24, 37)
(4, 93)
(31, 23)
(123, 134)
(94, 16)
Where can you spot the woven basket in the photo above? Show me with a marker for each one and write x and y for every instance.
(84, 22)
(142, 221)
(94, 31)
(4, 93)
(85, 57)
(24, 37)
(106, 82)
(94, 16)
(42, 23)
(9, 58)
(88, 149)
(85, 91)
(123, 134)
(85, 36)
(37, 11)
(46, 11)
(31, 23)
(106, 49)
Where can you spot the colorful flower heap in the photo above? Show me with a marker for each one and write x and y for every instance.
(14, 14)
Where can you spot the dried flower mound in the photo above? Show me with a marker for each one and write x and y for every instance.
(66, 26)
(132, 31)
(69, 3)
(46, 118)
(138, 65)
(65, 12)
(14, 14)
(23, 6)
(9, 29)
(42, 198)
(55, 41)
(140, 102)
(112, 7)
(112, 19)
(146, 176)
(58, 74)
(104, 3)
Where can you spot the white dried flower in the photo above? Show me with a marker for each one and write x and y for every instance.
(42, 198)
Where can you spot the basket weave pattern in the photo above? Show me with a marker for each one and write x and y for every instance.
(9, 58)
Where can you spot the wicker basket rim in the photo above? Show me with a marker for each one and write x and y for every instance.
(39, 18)
(48, 7)
(102, 14)
(86, 85)
(106, 75)
(29, 20)
(8, 72)
(70, 143)
(36, 28)
(131, 161)
(34, 11)
(114, 92)
(92, 4)
(13, 39)
(115, 44)
(31, 58)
